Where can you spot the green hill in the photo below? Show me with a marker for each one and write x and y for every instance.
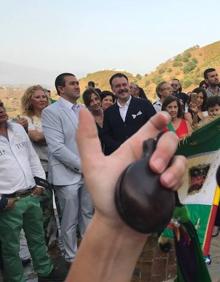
(101, 78)
(187, 66)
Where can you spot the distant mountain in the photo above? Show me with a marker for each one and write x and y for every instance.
(12, 74)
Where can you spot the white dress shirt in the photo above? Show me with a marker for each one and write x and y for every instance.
(157, 105)
(19, 162)
(124, 108)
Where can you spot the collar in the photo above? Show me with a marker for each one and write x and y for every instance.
(214, 92)
(67, 103)
(157, 102)
(126, 104)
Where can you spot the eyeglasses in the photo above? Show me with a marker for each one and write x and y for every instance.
(165, 88)
(174, 84)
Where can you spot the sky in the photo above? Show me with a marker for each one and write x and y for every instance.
(87, 36)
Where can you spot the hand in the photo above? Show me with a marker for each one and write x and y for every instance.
(101, 172)
(38, 191)
(11, 203)
(36, 136)
(23, 122)
(193, 107)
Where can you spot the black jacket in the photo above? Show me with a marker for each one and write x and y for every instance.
(116, 131)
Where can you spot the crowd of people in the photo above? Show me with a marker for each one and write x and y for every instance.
(57, 150)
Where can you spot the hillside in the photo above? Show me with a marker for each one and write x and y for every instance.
(101, 78)
(188, 67)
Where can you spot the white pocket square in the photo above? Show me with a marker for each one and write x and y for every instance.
(138, 114)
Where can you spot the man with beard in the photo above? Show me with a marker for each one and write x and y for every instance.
(126, 116)
(177, 92)
(211, 78)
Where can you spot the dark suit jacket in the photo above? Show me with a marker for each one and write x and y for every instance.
(116, 131)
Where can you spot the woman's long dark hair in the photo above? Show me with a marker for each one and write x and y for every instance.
(87, 96)
(170, 99)
(197, 91)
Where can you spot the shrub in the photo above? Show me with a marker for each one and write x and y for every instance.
(185, 59)
(178, 58)
(156, 80)
(187, 83)
(196, 81)
(186, 54)
(177, 64)
(138, 76)
(194, 60)
(161, 70)
(189, 67)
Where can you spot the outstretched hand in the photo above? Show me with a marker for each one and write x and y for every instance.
(102, 172)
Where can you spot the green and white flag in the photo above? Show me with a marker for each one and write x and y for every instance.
(199, 192)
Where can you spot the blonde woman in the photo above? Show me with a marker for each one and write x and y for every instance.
(33, 102)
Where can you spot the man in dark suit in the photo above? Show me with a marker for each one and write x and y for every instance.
(126, 116)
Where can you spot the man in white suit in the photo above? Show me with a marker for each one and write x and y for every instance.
(60, 121)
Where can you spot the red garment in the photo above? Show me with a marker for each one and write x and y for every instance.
(182, 130)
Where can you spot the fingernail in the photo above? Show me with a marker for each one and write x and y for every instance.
(158, 164)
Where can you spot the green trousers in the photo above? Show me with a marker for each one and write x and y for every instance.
(26, 214)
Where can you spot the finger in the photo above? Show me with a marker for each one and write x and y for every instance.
(87, 139)
(179, 185)
(132, 149)
(166, 148)
(173, 175)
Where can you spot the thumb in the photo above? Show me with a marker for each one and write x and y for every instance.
(88, 141)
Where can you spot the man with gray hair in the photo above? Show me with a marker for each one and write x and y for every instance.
(163, 90)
